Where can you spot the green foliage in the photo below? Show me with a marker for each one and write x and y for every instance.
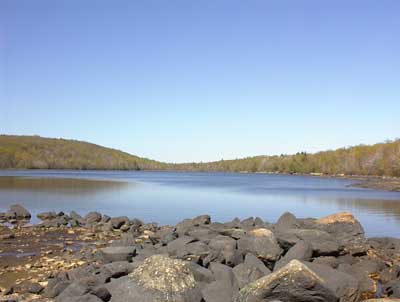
(34, 152)
(380, 159)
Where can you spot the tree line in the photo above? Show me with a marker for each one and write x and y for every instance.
(381, 159)
(34, 152)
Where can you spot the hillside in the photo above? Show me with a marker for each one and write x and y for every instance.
(35, 152)
(381, 159)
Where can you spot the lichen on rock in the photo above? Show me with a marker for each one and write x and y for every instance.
(159, 272)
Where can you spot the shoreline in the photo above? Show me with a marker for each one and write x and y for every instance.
(68, 257)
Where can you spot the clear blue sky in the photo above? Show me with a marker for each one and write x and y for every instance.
(202, 80)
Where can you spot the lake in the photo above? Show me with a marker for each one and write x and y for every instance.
(168, 197)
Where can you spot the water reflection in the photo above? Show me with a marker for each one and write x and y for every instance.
(61, 185)
(167, 197)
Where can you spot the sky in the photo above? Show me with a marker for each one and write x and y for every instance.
(206, 80)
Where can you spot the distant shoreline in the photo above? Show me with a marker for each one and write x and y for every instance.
(384, 183)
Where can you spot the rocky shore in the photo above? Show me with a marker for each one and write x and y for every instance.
(95, 258)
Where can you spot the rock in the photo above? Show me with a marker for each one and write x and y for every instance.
(118, 222)
(300, 251)
(390, 273)
(92, 218)
(187, 224)
(102, 293)
(262, 243)
(76, 220)
(249, 271)
(222, 272)
(73, 291)
(201, 274)
(105, 218)
(20, 212)
(326, 260)
(248, 223)
(126, 240)
(234, 233)
(10, 215)
(347, 231)
(46, 215)
(225, 251)
(85, 298)
(299, 281)
(75, 215)
(158, 279)
(55, 288)
(178, 244)
(27, 287)
(202, 234)
(392, 288)
(218, 291)
(198, 249)
(117, 253)
(323, 243)
(286, 221)
(387, 246)
(119, 268)
(224, 288)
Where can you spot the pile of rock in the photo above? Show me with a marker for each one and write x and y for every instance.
(16, 213)
(326, 259)
(91, 220)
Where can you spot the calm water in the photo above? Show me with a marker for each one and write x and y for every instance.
(167, 197)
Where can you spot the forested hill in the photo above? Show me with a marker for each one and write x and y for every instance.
(35, 152)
(380, 159)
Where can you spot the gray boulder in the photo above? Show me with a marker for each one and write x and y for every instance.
(92, 218)
(20, 212)
(323, 243)
(250, 270)
(224, 288)
(262, 243)
(118, 222)
(117, 253)
(299, 282)
(302, 250)
(286, 221)
(347, 231)
(158, 279)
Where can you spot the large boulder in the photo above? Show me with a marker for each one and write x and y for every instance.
(225, 286)
(224, 251)
(118, 222)
(323, 243)
(302, 250)
(347, 230)
(92, 218)
(299, 282)
(158, 279)
(117, 253)
(183, 227)
(250, 270)
(286, 221)
(178, 245)
(262, 243)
